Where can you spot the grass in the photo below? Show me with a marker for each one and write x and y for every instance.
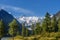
(45, 36)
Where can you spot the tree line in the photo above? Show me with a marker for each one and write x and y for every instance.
(48, 25)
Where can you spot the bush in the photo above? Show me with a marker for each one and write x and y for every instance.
(25, 38)
(35, 38)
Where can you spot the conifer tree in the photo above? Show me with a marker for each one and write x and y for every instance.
(26, 32)
(38, 29)
(54, 25)
(1, 29)
(23, 29)
(13, 27)
(32, 27)
(59, 24)
(47, 22)
(44, 26)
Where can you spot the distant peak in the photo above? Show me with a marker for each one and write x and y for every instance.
(58, 13)
(2, 10)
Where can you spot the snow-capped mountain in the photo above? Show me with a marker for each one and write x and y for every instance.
(29, 20)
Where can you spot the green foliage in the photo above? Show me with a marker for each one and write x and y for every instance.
(23, 29)
(59, 24)
(38, 29)
(32, 27)
(27, 32)
(13, 27)
(54, 26)
(35, 38)
(25, 39)
(44, 26)
(47, 22)
(1, 29)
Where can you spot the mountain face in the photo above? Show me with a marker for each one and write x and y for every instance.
(57, 15)
(6, 17)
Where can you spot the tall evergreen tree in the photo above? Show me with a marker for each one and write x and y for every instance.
(38, 29)
(44, 26)
(1, 29)
(47, 22)
(27, 32)
(54, 25)
(32, 27)
(13, 27)
(23, 29)
(59, 24)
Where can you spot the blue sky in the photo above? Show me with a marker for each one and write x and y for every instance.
(35, 7)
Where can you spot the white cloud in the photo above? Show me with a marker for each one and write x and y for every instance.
(16, 9)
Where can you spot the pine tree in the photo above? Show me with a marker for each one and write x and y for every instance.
(26, 32)
(13, 27)
(47, 22)
(54, 25)
(44, 26)
(32, 27)
(59, 24)
(38, 29)
(23, 29)
(1, 29)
